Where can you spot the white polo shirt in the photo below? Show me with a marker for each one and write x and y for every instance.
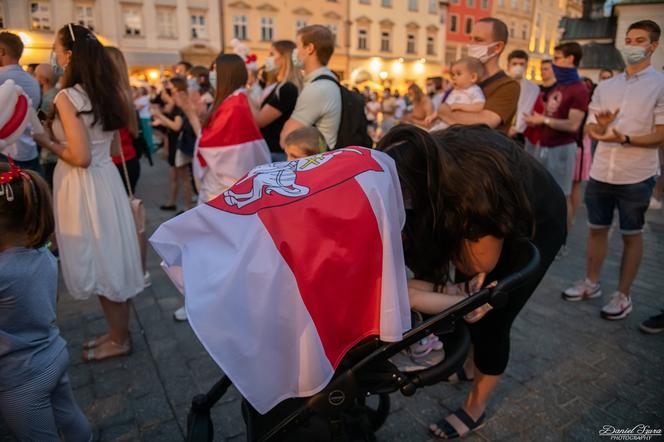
(640, 99)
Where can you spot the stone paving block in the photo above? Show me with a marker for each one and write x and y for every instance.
(118, 433)
(628, 415)
(539, 433)
(228, 418)
(111, 382)
(85, 398)
(151, 410)
(166, 432)
(401, 426)
(590, 420)
(112, 410)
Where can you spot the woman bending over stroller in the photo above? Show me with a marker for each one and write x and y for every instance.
(469, 192)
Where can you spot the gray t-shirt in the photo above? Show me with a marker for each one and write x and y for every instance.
(29, 339)
(319, 104)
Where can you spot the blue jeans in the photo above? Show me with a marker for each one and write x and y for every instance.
(631, 200)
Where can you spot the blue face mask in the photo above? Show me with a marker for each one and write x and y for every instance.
(565, 75)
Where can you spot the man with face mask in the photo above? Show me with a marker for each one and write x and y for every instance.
(627, 118)
(517, 62)
(563, 115)
(488, 41)
(24, 151)
(319, 103)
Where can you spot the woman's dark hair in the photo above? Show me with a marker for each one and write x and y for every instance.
(231, 75)
(463, 183)
(30, 211)
(123, 78)
(92, 67)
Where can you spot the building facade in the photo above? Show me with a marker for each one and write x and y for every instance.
(394, 42)
(518, 16)
(153, 34)
(546, 32)
(461, 17)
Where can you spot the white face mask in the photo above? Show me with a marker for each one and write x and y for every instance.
(517, 71)
(481, 51)
(57, 69)
(296, 61)
(633, 54)
(271, 65)
(213, 78)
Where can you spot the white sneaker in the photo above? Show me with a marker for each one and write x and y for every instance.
(180, 314)
(618, 308)
(147, 280)
(655, 204)
(582, 290)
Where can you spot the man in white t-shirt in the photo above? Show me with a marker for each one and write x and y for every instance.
(319, 103)
(626, 116)
(517, 62)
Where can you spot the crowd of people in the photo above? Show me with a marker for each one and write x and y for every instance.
(70, 183)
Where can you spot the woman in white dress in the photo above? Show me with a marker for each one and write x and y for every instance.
(99, 251)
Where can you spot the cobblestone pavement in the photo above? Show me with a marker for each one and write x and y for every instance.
(570, 372)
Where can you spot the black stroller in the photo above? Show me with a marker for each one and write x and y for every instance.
(341, 412)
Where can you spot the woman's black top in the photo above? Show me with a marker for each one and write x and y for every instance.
(283, 98)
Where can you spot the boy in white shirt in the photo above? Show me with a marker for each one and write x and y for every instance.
(466, 95)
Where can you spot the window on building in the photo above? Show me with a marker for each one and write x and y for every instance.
(512, 31)
(484, 4)
(362, 39)
(198, 29)
(40, 15)
(412, 5)
(2, 16)
(410, 44)
(538, 19)
(454, 23)
(524, 32)
(515, 4)
(433, 6)
(386, 3)
(385, 41)
(469, 25)
(133, 21)
(166, 23)
(299, 24)
(240, 27)
(334, 29)
(267, 28)
(85, 16)
(501, 3)
(526, 5)
(450, 53)
(470, 3)
(365, 2)
(431, 45)
(454, 2)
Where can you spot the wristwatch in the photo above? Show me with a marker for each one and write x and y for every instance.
(547, 120)
(627, 140)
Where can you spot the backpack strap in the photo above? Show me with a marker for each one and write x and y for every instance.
(326, 77)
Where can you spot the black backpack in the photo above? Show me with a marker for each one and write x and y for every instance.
(353, 125)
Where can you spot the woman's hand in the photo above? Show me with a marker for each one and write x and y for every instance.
(478, 313)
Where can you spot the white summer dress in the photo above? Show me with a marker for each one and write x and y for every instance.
(96, 235)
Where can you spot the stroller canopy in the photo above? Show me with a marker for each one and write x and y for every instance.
(290, 268)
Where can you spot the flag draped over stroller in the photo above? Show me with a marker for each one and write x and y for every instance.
(290, 268)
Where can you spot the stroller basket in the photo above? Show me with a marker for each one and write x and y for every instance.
(366, 371)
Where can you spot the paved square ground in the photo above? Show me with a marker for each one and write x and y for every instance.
(570, 372)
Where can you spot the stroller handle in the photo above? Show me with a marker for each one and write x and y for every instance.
(495, 296)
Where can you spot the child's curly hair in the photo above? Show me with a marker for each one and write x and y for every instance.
(25, 207)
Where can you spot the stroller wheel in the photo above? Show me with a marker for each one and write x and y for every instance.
(377, 407)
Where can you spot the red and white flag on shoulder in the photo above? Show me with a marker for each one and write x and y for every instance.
(229, 147)
(291, 267)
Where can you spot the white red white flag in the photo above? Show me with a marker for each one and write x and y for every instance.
(229, 147)
(291, 267)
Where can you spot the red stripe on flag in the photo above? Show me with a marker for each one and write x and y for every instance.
(16, 118)
(231, 125)
(336, 255)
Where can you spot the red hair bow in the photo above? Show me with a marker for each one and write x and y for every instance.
(251, 58)
(13, 173)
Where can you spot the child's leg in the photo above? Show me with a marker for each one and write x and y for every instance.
(27, 408)
(69, 418)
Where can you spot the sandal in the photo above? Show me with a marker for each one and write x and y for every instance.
(92, 343)
(445, 430)
(92, 354)
(168, 207)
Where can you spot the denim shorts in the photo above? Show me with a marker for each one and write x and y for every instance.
(559, 161)
(631, 200)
